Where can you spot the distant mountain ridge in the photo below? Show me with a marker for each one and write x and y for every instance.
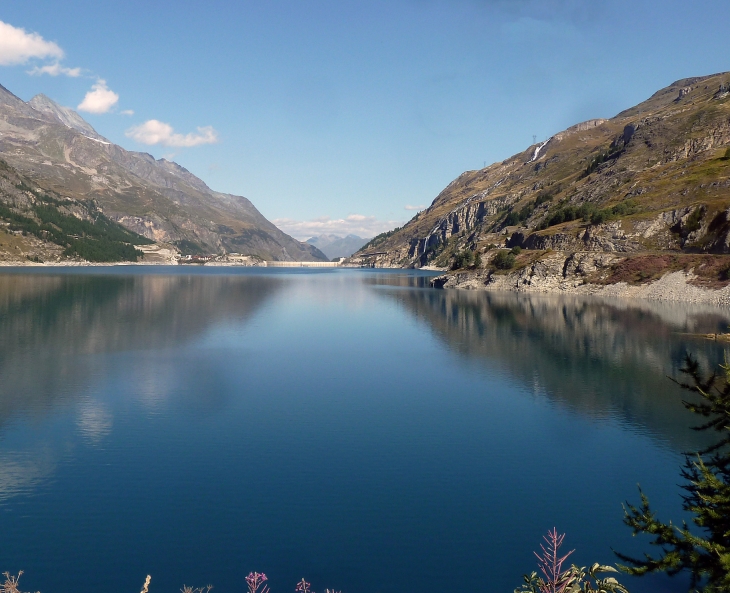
(61, 153)
(335, 246)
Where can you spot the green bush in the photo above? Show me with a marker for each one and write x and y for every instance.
(515, 218)
(589, 213)
(464, 259)
(504, 260)
(563, 214)
(621, 209)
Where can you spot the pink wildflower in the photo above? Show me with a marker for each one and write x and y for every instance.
(255, 582)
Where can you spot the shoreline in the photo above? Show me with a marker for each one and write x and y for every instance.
(672, 287)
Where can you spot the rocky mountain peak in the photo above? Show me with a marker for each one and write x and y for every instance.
(68, 117)
(53, 148)
(9, 99)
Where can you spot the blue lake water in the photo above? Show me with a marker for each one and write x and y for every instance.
(352, 427)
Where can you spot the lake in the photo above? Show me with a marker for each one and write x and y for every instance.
(353, 427)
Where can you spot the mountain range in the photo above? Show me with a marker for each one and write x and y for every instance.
(61, 156)
(649, 189)
(335, 246)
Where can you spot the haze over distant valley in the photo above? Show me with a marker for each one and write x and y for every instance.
(334, 246)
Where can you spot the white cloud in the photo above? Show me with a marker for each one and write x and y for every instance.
(355, 224)
(100, 99)
(17, 46)
(127, 112)
(54, 70)
(409, 207)
(154, 132)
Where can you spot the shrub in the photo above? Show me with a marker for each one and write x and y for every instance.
(515, 218)
(545, 196)
(572, 580)
(621, 209)
(599, 217)
(504, 260)
(512, 219)
(589, 212)
(465, 259)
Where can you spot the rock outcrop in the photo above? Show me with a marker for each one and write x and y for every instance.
(653, 179)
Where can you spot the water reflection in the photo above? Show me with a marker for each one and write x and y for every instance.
(94, 421)
(187, 424)
(599, 357)
(22, 471)
(48, 323)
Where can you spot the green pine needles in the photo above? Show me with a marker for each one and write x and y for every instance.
(705, 554)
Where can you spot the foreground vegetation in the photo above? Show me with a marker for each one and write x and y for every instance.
(573, 580)
(704, 554)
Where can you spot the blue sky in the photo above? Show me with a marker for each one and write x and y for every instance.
(346, 116)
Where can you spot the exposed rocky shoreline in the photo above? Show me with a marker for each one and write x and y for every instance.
(580, 274)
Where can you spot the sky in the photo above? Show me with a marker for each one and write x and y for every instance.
(349, 117)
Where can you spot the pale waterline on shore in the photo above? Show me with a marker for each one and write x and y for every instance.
(672, 287)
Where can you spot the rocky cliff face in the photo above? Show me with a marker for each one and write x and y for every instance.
(655, 178)
(59, 152)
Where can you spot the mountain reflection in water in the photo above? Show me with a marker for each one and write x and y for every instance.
(49, 322)
(599, 357)
(339, 425)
